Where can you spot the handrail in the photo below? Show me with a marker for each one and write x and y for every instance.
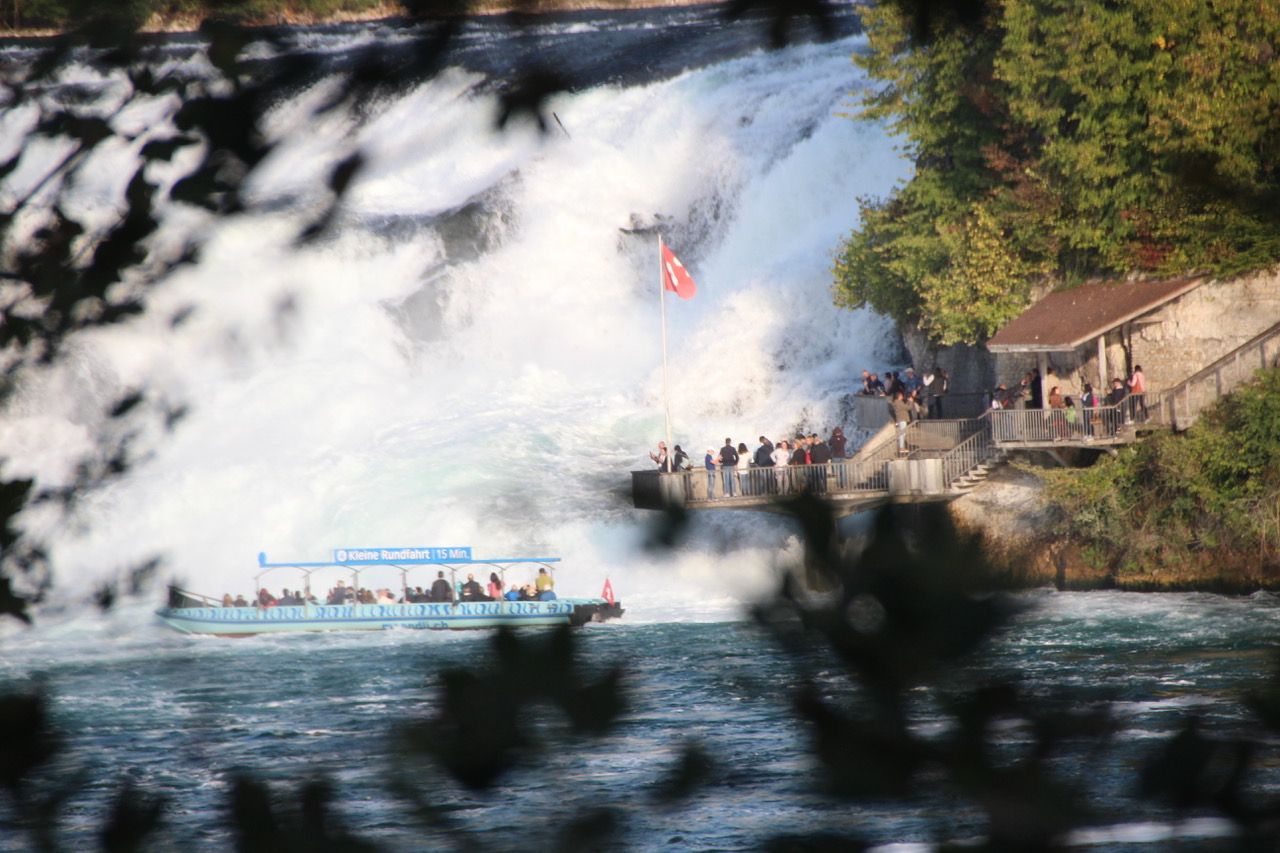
(1075, 423)
(834, 478)
(1193, 393)
(968, 455)
(949, 449)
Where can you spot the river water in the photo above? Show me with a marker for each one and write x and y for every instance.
(177, 715)
(473, 359)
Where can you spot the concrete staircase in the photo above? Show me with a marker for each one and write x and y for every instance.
(1179, 407)
(979, 473)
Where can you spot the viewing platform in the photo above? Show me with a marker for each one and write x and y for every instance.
(938, 460)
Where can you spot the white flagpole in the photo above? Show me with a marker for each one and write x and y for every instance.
(666, 396)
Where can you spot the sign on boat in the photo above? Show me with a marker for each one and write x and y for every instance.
(194, 613)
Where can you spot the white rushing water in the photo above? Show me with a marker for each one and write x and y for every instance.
(475, 358)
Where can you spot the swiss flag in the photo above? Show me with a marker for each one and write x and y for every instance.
(607, 595)
(675, 277)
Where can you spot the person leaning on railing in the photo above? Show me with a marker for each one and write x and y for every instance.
(1115, 398)
(1137, 405)
(1090, 417)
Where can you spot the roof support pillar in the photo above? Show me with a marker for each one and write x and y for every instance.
(1042, 361)
(1102, 363)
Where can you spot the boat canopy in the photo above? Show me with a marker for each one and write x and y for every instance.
(403, 557)
(357, 559)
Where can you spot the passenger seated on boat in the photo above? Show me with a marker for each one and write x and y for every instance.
(528, 592)
(365, 596)
(227, 602)
(289, 599)
(341, 594)
(441, 589)
(240, 602)
(416, 595)
(385, 597)
(471, 590)
(266, 599)
(512, 594)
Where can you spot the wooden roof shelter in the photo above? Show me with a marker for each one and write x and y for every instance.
(1066, 320)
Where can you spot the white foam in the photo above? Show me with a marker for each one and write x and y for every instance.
(414, 395)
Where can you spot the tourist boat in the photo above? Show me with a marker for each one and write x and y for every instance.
(192, 613)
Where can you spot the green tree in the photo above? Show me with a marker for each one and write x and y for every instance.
(1099, 138)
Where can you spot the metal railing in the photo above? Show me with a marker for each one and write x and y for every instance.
(834, 478)
(941, 435)
(936, 454)
(1179, 406)
(968, 454)
(1035, 426)
(965, 404)
(872, 412)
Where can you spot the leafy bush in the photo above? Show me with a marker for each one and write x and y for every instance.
(1211, 495)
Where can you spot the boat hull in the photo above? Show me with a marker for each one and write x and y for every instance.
(247, 621)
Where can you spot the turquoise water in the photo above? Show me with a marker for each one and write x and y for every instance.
(178, 715)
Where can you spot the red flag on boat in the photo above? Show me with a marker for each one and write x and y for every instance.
(675, 277)
(607, 595)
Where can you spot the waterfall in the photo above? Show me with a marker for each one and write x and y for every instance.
(473, 357)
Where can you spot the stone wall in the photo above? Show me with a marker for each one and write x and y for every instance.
(1171, 343)
(1202, 326)
(971, 368)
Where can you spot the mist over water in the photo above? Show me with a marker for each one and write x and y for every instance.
(473, 357)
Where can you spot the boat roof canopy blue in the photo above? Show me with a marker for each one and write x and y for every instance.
(404, 557)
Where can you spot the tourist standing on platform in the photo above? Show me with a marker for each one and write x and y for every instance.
(820, 458)
(709, 462)
(800, 451)
(679, 461)
(744, 469)
(876, 386)
(781, 458)
(837, 443)
(893, 385)
(764, 453)
(941, 385)
(901, 416)
(923, 394)
(911, 382)
(1057, 417)
(661, 457)
(1137, 395)
(1115, 398)
(763, 458)
(1035, 400)
(728, 465)
(1089, 402)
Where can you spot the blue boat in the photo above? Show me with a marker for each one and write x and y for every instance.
(193, 613)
